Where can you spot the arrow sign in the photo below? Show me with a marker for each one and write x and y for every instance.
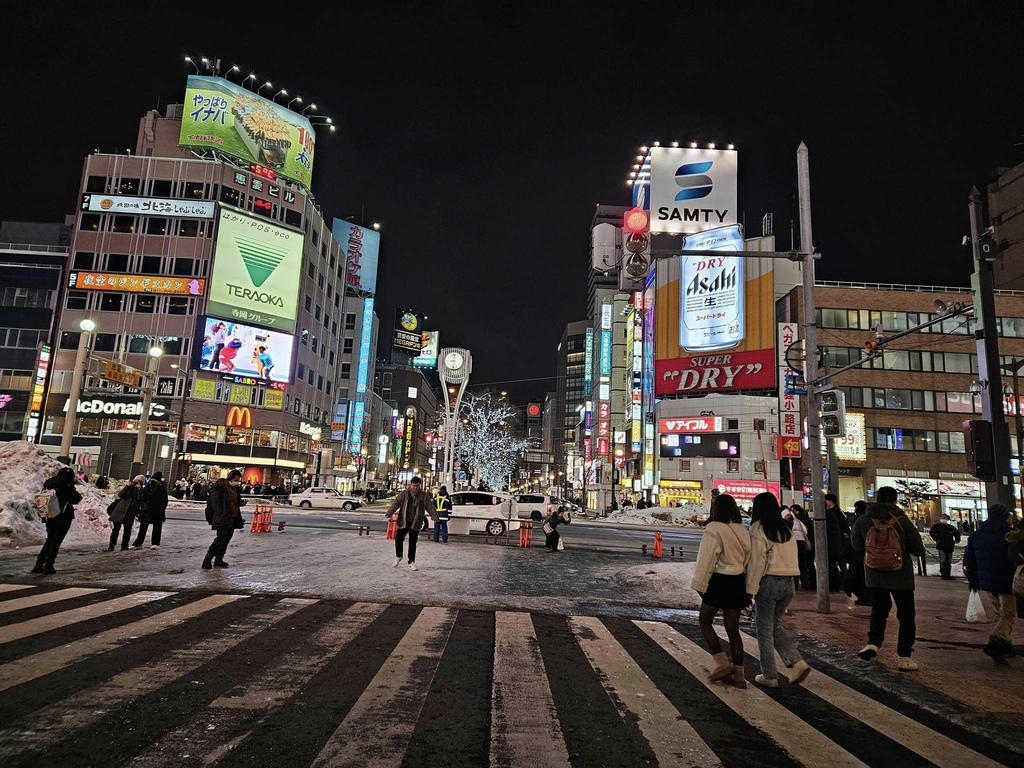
(787, 447)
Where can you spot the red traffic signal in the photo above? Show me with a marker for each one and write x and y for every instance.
(635, 221)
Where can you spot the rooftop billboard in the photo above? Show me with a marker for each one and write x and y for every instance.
(362, 249)
(224, 116)
(242, 350)
(257, 271)
(691, 189)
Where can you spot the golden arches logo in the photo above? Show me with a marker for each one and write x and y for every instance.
(239, 417)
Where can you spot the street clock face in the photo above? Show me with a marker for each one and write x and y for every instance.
(453, 361)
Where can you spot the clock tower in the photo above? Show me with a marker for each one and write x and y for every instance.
(453, 367)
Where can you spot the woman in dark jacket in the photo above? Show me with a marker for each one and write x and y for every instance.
(989, 569)
(125, 511)
(153, 511)
(224, 514)
(555, 519)
(63, 484)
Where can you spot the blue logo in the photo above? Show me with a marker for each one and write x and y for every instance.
(694, 183)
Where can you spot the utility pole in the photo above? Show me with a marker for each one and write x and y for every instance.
(809, 332)
(983, 247)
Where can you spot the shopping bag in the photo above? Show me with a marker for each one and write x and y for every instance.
(975, 608)
(1018, 581)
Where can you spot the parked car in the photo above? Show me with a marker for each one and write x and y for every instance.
(532, 506)
(488, 511)
(323, 498)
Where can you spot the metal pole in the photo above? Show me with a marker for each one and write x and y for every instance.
(76, 389)
(179, 448)
(1020, 431)
(147, 402)
(810, 336)
(1000, 489)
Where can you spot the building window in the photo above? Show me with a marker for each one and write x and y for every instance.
(162, 188)
(178, 305)
(350, 321)
(104, 342)
(96, 184)
(77, 300)
(90, 222)
(346, 370)
(117, 262)
(347, 345)
(145, 304)
(129, 186)
(184, 267)
(156, 226)
(111, 301)
(151, 265)
(122, 224)
(69, 339)
(84, 260)
(195, 190)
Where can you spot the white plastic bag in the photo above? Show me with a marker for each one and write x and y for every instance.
(975, 608)
(560, 544)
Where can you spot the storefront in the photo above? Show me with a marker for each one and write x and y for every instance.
(671, 492)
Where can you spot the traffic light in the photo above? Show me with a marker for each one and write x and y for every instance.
(636, 258)
(980, 449)
(833, 413)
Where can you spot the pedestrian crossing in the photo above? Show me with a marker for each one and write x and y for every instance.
(145, 678)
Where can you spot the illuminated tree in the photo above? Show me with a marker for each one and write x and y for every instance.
(486, 440)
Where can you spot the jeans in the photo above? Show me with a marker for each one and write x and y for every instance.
(440, 530)
(1004, 608)
(128, 520)
(774, 594)
(140, 539)
(945, 562)
(56, 530)
(220, 544)
(400, 539)
(881, 604)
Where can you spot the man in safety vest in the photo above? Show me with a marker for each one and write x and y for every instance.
(443, 511)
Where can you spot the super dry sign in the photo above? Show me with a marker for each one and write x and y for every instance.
(690, 425)
(239, 417)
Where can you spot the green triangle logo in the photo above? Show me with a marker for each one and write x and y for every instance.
(260, 260)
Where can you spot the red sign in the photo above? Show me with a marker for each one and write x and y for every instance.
(744, 491)
(690, 425)
(722, 372)
(787, 447)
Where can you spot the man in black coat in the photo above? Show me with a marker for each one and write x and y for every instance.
(989, 569)
(837, 528)
(63, 485)
(224, 514)
(946, 536)
(152, 511)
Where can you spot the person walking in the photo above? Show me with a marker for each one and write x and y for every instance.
(770, 570)
(224, 514)
(720, 579)
(153, 511)
(125, 512)
(63, 486)
(946, 536)
(888, 586)
(803, 531)
(989, 569)
(838, 537)
(443, 511)
(410, 509)
(551, 534)
(855, 562)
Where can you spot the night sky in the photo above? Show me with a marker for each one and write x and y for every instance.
(481, 135)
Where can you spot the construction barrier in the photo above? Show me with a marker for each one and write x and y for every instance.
(262, 518)
(392, 530)
(526, 534)
(657, 544)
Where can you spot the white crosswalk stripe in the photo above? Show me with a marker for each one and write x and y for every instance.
(45, 623)
(14, 587)
(46, 597)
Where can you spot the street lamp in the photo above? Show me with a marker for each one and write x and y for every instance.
(87, 326)
(147, 402)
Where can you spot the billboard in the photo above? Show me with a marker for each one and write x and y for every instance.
(224, 116)
(408, 331)
(365, 346)
(715, 445)
(149, 206)
(168, 286)
(731, 305)
(362, 250)
(244, 350)
(257, 271)
(427, 358)
(692, 189)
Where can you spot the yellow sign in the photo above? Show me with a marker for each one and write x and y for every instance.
(122, 374)
(204, 389)
(171, 286)
(239, 417)
(274, 400)
(240, 394)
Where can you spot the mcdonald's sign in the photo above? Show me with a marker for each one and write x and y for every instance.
(239, 417)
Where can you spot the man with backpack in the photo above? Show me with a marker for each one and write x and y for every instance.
(888, 539)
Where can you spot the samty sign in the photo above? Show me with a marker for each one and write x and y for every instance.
(715, 373)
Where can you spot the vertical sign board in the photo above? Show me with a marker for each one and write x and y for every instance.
(362, 248)
(789, 405)
(365, 343)
(588, 363)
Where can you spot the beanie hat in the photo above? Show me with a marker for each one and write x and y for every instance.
(157, 476)
(998, 512)
(139, 479)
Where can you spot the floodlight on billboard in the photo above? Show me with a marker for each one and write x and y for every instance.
(234, 348)
(224, 116)
(361, 246)
(257, 270)
(692, 189)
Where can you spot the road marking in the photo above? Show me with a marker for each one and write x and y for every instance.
(86, 707)
(803, 742)
(43, 663)
(931, 745)
(377, 730)
(73, 616)
(15, 587)
(524, 722)
(42, 598)
(673, 740)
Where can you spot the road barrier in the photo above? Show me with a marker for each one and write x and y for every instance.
(657, 545)
(262, 518)
(526, 534)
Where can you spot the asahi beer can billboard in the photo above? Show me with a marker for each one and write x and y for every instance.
(692, 189)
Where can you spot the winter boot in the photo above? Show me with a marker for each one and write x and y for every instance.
(998, 650)
(722, 667)
(38, 568)
(737, 677)
(208, 562)
(219, 562)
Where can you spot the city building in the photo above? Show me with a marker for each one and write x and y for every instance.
(411, 448)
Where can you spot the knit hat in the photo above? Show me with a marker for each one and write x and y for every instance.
(157, 476)
(139, 479)
(998, 512)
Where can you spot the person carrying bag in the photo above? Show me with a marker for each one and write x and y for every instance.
(63, 486)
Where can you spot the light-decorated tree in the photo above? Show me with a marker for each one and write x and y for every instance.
(487, 441)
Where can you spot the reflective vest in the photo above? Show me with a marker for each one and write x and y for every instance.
(440, 505)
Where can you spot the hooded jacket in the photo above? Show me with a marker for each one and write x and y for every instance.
(902, 579)
(225, 501)
(987, 562)
(63, 484)
(415, 512)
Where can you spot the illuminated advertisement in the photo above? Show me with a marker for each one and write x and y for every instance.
(427, 358)
(243, 350)
(339, 422)
(365, 342)
(257, 271)
(356, 441)
(744, 491)
(708, 446)
(169, 286)
(149, 206)
(711, 299)
(38, 385)
(588, 362)
(408, 331)
(748, 364)
(690, 425)
(692, 189)
(362, 250)
(224, 116)
(853, 445)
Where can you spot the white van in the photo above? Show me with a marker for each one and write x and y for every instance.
(488, 511)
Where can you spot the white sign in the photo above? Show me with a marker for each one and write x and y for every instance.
(853, 445)
(149, 206)
(789, 405)
(692, 189)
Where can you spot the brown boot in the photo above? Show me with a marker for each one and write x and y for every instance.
(722, 667)
(736, 678)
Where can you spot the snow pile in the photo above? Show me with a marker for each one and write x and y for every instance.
(678, 516)
(668, 580)
(23, 469)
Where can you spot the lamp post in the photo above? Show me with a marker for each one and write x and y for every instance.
(147, 401)
(87, 326)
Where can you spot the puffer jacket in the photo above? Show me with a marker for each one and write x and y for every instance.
(225, 502)
(724, 548)
(987, 562)
(902, 579)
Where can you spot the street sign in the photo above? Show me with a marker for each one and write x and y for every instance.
(122, 374)
(795, 356)
(787, 447)
(795, 384)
